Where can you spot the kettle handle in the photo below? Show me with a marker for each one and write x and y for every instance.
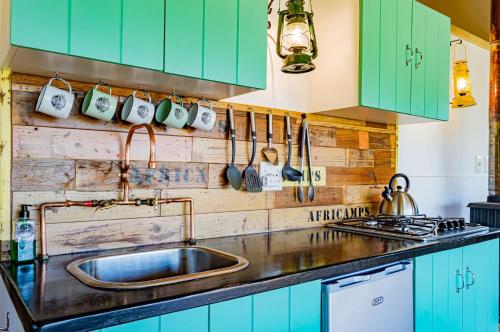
(399, 175)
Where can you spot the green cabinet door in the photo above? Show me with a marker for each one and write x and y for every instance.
(232, 315)
(305, 307)
(455, 290)
(220, 40)
(388, 54)
(270, 311)
(443, 69)
(252, 43)
(40, 24)
(419, 61)
(143, 33)
(431, 64)
(403, 56)
(96, 29)
(191, 320)
(481, 264)
(369, 67)
(423, 296)
(184, 37)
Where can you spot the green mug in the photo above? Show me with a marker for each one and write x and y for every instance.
(171, 114)
(98, 104)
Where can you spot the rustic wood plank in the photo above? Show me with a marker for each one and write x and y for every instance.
(23, 114)
(340, 176)
(360, 158)
(364, 194)
(98, 175)
(323, 196)
(304, 217)
(364, 140)
(55, 143)
(63, 215)
(213, 200)
(347, 138)
(5, 154)
(43, 174)
(109, 234)
(217, 151)
(385, 158)
(212, 225)
(380, 141)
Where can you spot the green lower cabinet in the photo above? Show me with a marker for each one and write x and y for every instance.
(457, 290)
(290, 309)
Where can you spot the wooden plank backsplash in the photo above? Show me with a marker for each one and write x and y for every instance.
(79, 158)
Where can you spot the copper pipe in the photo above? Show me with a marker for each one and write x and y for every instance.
(126, 164)
(494, 113)
(96, 204)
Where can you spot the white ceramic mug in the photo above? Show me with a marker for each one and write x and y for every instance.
(201, 117)
(54, 101)
(138, 111)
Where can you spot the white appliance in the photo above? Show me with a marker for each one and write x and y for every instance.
(377, 300)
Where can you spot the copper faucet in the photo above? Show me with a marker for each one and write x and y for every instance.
(152, 164)
(126, 189)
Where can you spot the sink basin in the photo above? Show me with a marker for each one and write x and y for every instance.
(154, 268)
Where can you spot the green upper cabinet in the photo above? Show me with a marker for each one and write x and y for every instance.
(39, 24)
(457, 290)
(220, 51)
(404, 58)
(184, 38)
(252, 43)
(95, 29)
(143, 33)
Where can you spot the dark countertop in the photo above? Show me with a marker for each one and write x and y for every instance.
(48, 298)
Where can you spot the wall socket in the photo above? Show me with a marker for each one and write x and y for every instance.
(480, 165)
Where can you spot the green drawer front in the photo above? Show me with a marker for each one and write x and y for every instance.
(96, 29)
(40, 24)
(252, 43)
(220, 40)
(184, 37)
(143, 33)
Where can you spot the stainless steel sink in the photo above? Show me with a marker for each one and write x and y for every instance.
(154, 268)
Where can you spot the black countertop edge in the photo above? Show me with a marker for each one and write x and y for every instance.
(231, 291)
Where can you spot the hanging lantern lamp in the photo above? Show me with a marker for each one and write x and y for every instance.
(296, 42)
(461, 80)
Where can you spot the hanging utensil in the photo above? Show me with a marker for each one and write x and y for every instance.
(290, 173)
(252, 179)
(233, 175)
(310, 190)
(300, 190)
(269, 151)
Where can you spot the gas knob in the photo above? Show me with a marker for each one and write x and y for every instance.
(442, 226)
(461, 223)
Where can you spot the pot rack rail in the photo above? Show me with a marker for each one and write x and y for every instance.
(34, 83)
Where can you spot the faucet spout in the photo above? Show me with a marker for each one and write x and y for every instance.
(152, 164)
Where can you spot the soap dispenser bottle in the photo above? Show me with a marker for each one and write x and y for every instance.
(23, 248)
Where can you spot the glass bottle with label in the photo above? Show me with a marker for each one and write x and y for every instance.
(23, 244)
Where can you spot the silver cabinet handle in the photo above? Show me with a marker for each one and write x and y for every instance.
(409, 58)
(7, 323)
(421, 58)
(462, 279)
(467, 272)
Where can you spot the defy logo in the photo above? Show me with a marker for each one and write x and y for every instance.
(378, 300)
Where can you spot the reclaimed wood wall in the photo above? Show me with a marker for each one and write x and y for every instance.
(79, 159)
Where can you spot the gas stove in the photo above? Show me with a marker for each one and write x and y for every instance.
(418, 228)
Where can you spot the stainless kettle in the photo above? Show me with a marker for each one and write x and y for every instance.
(397, 202)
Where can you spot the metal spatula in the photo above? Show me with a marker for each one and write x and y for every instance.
(252, 179)
(269, 151)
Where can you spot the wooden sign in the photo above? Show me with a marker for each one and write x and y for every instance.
(319, 178)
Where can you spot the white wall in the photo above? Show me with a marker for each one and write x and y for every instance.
(440, 158)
